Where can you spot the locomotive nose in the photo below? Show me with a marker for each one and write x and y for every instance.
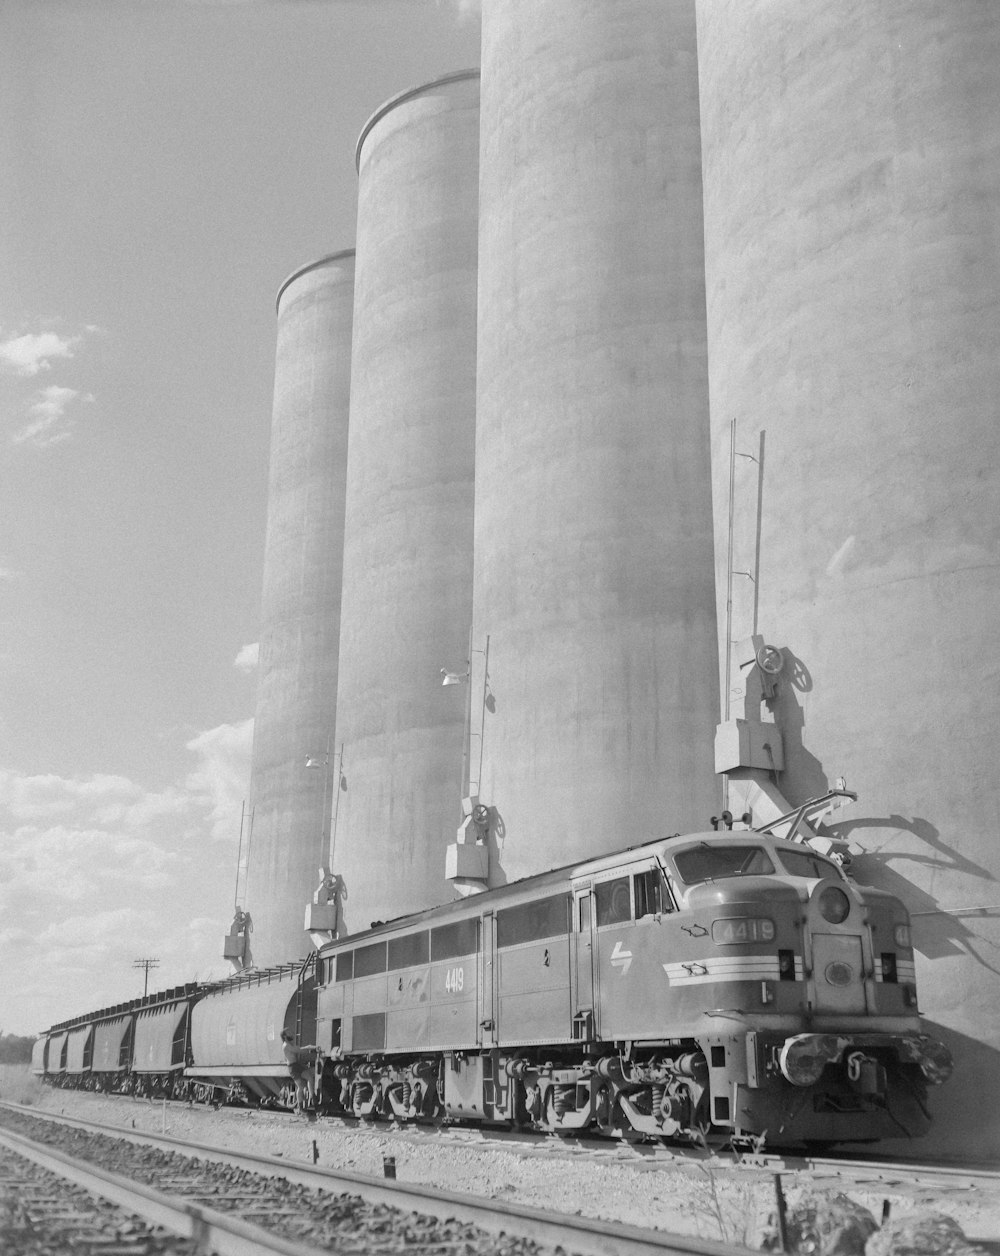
(836, 929)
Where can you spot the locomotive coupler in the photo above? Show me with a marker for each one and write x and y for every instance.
(865, 1074)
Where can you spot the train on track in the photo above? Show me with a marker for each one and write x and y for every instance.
(728, 986)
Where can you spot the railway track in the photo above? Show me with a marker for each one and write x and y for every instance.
(46, 1211)
(858, 1167)
(314, 1207)
(847, 1165)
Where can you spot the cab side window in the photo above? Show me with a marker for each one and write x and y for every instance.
(614, 905)
(649, 897)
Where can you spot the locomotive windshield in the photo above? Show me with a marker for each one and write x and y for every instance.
(710, 863)
(806, 863)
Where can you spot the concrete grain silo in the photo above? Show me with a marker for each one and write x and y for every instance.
(407, 600)
(594, 568)
(852, 185)
(300, 615)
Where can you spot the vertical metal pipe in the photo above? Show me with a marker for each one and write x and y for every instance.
(728, 678)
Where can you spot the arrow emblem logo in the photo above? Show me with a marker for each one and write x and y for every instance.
(620, 958)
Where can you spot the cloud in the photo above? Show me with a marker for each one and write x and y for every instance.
(98, 869)
(47, 411)
(220, 780)
(32, 352)
(248, 658)
(42, 797)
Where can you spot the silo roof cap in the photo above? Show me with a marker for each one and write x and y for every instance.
(304, 270)
(458, 76)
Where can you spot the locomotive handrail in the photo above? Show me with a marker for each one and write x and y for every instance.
(806, 810)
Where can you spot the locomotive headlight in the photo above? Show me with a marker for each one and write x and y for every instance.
(737, 929)
(803, 1058)
(901, 936)
(834, 905)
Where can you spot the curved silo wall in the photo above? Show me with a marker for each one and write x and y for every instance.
(407, 601)
(852, 178)
(594, 565)
(300, 605)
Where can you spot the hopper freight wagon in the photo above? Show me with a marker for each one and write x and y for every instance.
(236, 1027)
(138, 1048)
(218, 1042)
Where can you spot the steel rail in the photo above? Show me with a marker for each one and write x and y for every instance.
(213, 1231)
(857, 1167)
(585, 1235)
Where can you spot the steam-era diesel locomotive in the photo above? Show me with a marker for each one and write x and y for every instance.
(728, 985)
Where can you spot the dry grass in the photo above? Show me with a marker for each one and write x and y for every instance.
(18, 1084)
(734, 1211)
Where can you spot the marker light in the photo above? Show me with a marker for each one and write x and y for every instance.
(933, 1057)
(742, 929)
(901, 936)
(935, 1061)
(834, 905)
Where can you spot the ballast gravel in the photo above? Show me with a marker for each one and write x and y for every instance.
(635, 1185)
(344, 1223)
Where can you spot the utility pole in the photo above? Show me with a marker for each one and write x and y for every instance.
(146, 965)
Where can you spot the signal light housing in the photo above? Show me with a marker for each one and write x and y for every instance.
(834, 905)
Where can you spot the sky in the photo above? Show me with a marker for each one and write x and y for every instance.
(164, 165)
